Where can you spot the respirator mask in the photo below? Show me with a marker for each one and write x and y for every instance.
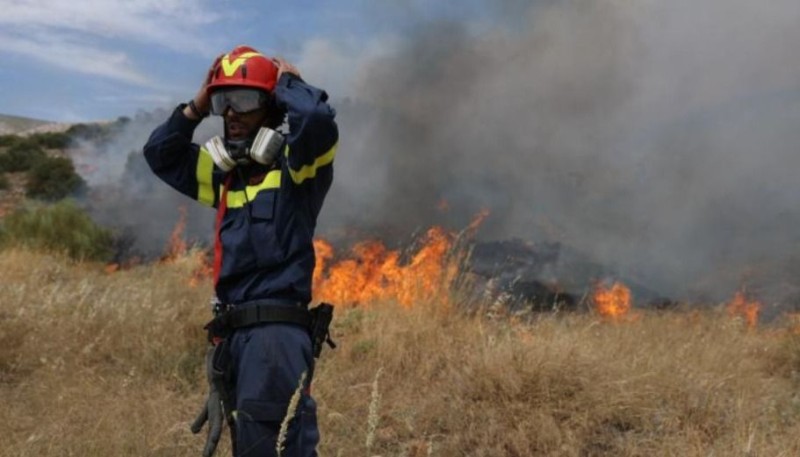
(263, 149)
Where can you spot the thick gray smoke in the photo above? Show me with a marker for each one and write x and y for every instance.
(657, 137)
(126, 196)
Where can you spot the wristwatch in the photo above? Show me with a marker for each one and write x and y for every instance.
(196, 111)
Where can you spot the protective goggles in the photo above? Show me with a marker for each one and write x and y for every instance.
(241, 101)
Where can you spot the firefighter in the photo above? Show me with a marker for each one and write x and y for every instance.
(268, 187)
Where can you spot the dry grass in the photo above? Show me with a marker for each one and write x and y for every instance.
(96, 364)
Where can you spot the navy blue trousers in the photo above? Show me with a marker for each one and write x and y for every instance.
(269, 361)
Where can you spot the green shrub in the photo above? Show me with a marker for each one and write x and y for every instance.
(95, 132)
(98, 133)
(47, 140)
(61, 227)
(51, 140)
(22, 155)
(4, 184)
(8, 140)
(53, 179)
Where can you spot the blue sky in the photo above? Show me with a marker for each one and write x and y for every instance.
(81, 60)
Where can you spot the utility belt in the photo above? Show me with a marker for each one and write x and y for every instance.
(229, 318)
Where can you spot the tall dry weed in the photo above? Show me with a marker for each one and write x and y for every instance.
(373, 416)
(291, 412)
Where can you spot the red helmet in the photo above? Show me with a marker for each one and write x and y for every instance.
(244, 67)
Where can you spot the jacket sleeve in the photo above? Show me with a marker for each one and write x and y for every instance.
(313, 134)
(184, 165)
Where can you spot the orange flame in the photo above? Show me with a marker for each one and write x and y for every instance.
(371, 272)
(324, 253)
(203, 271)
(613, 302)
(748, 309)
(176, 246)
(477, 221)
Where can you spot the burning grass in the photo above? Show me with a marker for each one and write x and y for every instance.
(373, 273)
(95, 364)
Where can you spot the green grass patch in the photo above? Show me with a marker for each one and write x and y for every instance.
(61, 227)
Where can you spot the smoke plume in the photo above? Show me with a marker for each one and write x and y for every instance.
(126, 196)
(658, 137)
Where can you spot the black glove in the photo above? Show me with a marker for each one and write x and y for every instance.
(211, 412)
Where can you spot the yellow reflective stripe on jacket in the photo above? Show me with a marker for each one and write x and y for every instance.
(310, 171)
(204, 172)
(236, 198)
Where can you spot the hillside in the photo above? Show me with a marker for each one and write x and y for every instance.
(23, 126)
(13, 125)
(34, 142)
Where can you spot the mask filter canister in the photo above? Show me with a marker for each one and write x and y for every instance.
(265, 149)
(266, 146)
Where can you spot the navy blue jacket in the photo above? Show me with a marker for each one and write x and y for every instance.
(267, 227)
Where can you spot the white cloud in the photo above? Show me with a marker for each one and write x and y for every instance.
(178, 24)
(72, 34)
(62, 53)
